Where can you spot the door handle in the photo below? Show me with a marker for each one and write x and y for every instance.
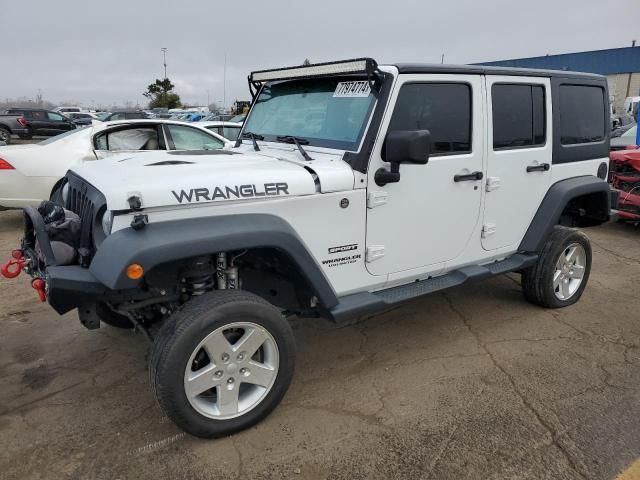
(543, 167)
(469, 177)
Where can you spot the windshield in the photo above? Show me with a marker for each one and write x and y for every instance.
(327, 112)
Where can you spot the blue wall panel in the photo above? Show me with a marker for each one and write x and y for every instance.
(603, 62)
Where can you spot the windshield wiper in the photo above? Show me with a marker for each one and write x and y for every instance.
(253, 137)
(298, 141)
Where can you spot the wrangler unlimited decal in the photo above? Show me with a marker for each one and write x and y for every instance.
(227, 192)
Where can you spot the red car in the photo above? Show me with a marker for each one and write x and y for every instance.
(624, 175)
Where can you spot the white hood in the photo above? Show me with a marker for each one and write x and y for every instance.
(173, 178)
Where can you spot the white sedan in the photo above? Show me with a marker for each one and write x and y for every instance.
(28, 173)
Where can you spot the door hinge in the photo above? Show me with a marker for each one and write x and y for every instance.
(488, 229)
(374, 252)
(493, 183)
(375, 199)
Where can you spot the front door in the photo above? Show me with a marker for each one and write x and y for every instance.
(519, 148)
(429, 216)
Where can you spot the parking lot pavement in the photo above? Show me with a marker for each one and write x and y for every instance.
(473, 383)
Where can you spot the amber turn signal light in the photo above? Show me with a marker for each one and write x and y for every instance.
(135, 271)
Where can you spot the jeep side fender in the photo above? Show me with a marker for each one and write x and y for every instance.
(159, 243)
(554, 203)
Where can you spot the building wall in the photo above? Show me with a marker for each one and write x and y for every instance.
(621, 86)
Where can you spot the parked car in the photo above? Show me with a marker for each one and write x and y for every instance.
(28, 173)
(228, 130)
(623, 137)
(102, 115)
(12, 124)
(65, 110)
(624, 175)
(126, 115)
(238, 118)
(41, 122)
(82, 119)
(217, 117)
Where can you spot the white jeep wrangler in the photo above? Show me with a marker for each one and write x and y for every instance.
(353, 187)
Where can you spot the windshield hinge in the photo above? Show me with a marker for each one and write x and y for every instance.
(375, 199)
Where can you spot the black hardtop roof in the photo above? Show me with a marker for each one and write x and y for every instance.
(487, 70)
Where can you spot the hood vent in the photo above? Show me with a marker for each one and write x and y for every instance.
(316, 179)
(169, 162)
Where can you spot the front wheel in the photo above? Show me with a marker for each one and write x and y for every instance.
(222, 363)
(561, 273)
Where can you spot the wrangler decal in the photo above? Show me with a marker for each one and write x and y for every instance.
(227, 192)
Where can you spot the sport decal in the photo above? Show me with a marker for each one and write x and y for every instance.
(343, 248)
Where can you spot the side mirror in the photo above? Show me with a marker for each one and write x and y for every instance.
(403, 146)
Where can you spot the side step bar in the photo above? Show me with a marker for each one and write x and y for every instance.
(366, 303)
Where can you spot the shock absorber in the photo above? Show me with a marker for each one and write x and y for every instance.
(221, 267)
(199, 277)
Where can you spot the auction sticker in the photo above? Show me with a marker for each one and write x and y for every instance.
(352, 89)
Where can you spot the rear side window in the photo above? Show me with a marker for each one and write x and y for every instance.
(442, 108)
(581, 114)
(140, 138)
(518, 115)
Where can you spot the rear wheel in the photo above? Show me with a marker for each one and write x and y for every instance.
(222, 363)
(5, 136)
(561, 273)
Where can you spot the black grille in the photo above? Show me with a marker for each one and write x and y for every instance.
(87, 202)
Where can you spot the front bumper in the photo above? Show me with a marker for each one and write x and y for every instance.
(67, 287)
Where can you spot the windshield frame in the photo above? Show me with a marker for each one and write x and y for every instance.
(347, 146)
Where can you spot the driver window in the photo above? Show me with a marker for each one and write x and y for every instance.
(141, 138)
(56, 117)
(188, 138)
(442, 108)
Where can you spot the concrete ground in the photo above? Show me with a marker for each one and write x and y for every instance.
(474, 383)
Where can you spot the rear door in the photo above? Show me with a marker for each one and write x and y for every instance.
(38, 122)
(519, 148)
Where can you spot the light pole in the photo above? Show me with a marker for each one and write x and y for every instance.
(224, 84)
(164, 58)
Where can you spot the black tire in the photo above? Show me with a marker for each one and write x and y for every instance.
(180, 335)
(537, 281)
(5, 136)
(112, 318)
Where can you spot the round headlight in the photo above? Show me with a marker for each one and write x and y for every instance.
(65, 193)
(107, 222)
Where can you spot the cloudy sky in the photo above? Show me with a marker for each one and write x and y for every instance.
(108, 51)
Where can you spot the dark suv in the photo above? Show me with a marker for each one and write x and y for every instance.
(42, 122)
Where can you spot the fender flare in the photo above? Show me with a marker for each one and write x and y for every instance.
(163, 242)
(554, 203)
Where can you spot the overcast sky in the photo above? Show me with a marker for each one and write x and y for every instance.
(108, 51)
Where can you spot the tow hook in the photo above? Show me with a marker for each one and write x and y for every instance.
(13, 267)
(38, 285)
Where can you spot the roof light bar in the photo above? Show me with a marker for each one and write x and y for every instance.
(358, 65)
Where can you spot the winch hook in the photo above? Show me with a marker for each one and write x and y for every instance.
(13, 267)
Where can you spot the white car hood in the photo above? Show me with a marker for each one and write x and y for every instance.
(179, 178)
